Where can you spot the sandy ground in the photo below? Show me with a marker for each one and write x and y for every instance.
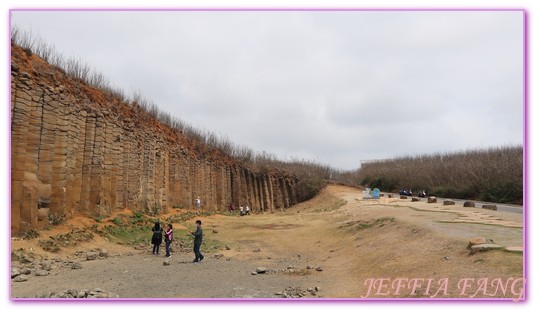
(361, 246)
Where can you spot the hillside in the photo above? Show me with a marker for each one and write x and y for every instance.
(79, 149)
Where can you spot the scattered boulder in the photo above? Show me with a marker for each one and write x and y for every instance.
(469, 204)
(215, 231)
(15, 272)
(46, 265)
(21, 278)
(218, 256)
(291, 267)
(167, 262)
(41, 273)
(103, 253)
(310, 267)
(227, 247)
(485, 247)
(476, 241)
(414, 199)
(319, 268)
(42, 214)
(26, 271)
(76, 265)
(402, 197)
(72, 293)
(260, 270)
(448, 202)
(432, 199)
(254, 273)
(91, 255)
(490, 207)
(390, 196)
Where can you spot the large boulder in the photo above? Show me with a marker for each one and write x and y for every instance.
(42, 214)
(402, 197)
(414, 199)
(469, 204)
(432, 199)
(448, 202)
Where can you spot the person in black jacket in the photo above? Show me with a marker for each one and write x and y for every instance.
(168, 238)
(197, 242)
(156, 238)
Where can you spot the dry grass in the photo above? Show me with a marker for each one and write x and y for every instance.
(494, 174)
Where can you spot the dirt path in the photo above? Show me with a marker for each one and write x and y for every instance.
(330, 246)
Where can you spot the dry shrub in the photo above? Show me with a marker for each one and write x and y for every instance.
(493, 174)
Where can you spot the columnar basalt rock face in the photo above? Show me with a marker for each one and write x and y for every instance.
(77, 150)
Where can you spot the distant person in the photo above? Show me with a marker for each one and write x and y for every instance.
(197, 242)
(168, 236)
(231, 207)
(156, 238)
(198, 203)
(241, 210)
(247, 210)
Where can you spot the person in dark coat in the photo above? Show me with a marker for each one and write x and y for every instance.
(168, 236)
(156, 238)
(197, 242)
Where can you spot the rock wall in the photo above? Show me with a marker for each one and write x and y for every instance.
(77, 149)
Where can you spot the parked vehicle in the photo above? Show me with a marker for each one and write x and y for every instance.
(405, 192)
(422, 193)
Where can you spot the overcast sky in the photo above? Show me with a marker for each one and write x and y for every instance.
(336, 87)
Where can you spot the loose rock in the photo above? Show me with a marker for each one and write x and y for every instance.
(15, 272)
(469, 204)
(476, 241)
(91, 255)
(485, 247)
(103, 253)
(261, 270)
(227, 247)
(167, 262)
(20, 278)
(319, 268)
(41, 273)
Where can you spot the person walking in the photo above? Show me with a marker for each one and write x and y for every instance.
(247, 209)
(156, 238)
(168, 236)
(241, 210)
(198, 203)
(197, 242)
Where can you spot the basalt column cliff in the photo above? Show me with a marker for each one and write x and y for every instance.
(77, 149)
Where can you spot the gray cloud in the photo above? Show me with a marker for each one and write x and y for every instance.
(338, 87)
